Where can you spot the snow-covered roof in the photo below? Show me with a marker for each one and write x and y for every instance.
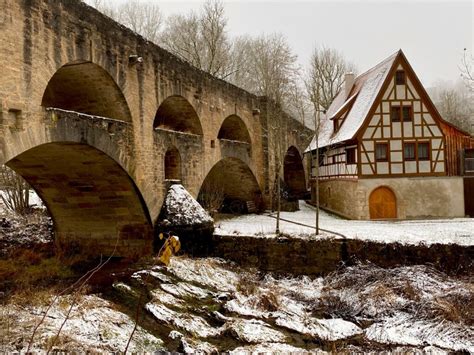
(361, 97)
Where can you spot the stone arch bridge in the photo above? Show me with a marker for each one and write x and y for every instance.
(97, 120)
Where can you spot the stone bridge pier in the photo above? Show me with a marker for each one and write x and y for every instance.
(98, 134)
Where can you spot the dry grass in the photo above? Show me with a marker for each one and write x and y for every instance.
(28, 269)
(367, 293)
(248, 284)
(265, 297)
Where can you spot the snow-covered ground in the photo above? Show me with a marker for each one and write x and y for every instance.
(209, 305)
(457, 230)
(92, 325)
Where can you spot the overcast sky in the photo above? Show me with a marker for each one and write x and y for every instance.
(432, 34)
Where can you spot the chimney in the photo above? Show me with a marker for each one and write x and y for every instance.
(348, 83)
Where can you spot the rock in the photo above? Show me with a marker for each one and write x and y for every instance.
(183, 216)
(254, 331)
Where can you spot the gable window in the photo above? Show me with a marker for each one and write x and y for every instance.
(350, 156)
(399, 113)
(400, 77)
(407, 114)
(409, 151)
(423, 151)
(395, 113)
(381, 152)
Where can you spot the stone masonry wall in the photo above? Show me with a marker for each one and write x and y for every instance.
(41, 38)
(425, 197)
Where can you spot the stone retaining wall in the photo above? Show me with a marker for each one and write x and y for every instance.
(318, 257)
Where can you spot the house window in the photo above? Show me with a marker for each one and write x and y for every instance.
(409, 151)
(469, 164)
(400, 77)
(395, 113)
(321, 159)
(381, 152)
(469, 161)
(407, 114)
(398, 113)
(416, 151)
(350, 156)
(423, 151)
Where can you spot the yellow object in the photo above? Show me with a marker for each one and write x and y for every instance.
(171, 247)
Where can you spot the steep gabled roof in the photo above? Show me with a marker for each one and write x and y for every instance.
(361, 99)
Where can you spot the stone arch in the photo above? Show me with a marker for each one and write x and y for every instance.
(382, 203)
(172, 164)
(293, 172)
(232, 178)
(177, 114)
(86, 87)
(233, 128)
(94, 202)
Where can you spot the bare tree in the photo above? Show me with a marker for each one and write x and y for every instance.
(211, 197)
(467, 70)
(271, 68)
(455, 103)
(240, 61)
(314, 87)
(299, 104)
(201, 39)
(143, 17)
(328, 67)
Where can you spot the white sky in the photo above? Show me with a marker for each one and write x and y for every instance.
(432, 34)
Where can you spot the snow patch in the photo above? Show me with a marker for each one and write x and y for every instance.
(254, 331)
(192, 324)
(181, 209)
(211, 272)
(93, 325)
(272, 348)
(327, 329)
(408, 330)
(444, 231)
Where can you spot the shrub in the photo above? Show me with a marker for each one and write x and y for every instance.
(15, 193)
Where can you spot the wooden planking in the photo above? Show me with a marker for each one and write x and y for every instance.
(456, 141)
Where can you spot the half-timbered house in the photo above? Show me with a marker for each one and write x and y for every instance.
(385, 151)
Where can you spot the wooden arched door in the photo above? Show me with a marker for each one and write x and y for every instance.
(382, 203)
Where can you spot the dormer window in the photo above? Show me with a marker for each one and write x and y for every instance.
(336, 125)
(400, 77)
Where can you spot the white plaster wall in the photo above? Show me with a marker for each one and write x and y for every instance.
(421, 197)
